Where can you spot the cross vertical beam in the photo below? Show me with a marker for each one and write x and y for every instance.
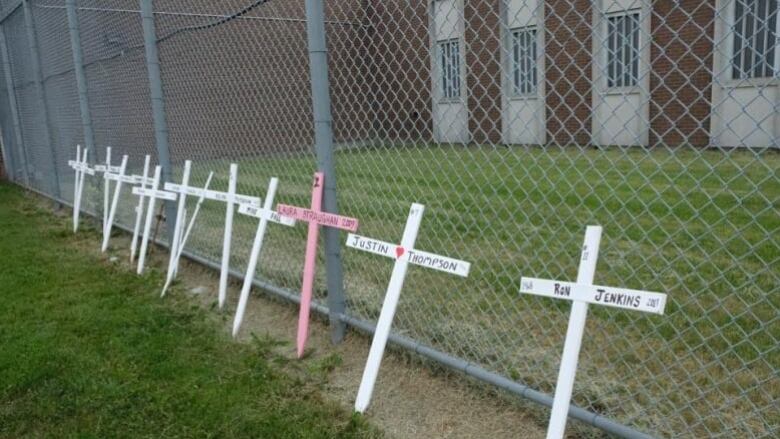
(571, 347)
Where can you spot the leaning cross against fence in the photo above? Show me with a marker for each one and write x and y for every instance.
(106, 182)
(180, 235)
(153, 193)
(230, 198)
(144, 181)
(403, 255)
(120, 178)
(582, 293)
(81, 168)
(265, 214)
(315, 217)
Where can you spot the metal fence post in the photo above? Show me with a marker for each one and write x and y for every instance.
(35, 62)
(323, 140)
(158, 107)
(81, 77)
(17, 126)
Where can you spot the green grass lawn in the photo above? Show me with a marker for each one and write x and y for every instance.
(88, 349)
(702, 226)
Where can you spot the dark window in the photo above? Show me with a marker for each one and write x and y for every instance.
(449, 56)
(623, 50)
(523, 68)
(755, 39)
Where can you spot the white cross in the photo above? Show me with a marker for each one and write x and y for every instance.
(81, 168)
(139, 209)
(230, 198)
(581, 293)
(153, 193)
(178, 247)
(120, 178)
(265, 214)
(403, 255)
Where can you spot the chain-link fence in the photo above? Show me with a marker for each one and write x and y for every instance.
(516, 122)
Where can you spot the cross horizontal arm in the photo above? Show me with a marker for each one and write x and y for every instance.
(80, 166)
(416, 257)
(645, 301)
(129, 179)
(103, 168)
(321, 218)
(212, 194)
(270, 215)
(146, 192)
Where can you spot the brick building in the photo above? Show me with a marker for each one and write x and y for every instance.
(609, 72)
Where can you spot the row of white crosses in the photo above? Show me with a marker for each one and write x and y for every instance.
(581, 293)
(148, 191)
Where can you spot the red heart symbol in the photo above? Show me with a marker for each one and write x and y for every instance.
(399, 251)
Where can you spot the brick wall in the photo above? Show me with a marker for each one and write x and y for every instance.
(567, 75)
(483, 69)
(401, 69)
(681, 79)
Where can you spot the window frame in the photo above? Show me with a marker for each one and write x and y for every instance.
(516, 89)
(735, 63)
(444, 72)
(635, 76)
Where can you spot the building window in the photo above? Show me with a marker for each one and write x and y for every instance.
(449, 57)
(755, 39)
(523, 67)
(623, 50)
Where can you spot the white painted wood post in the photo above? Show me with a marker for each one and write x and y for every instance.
(114, 204)
(173, 265)
(106, 186)
(179, 226)
(223, 274)
(571, 348)
(148, 223)
(76, 186)
(254, 256)
(389, 306)
(139, 211)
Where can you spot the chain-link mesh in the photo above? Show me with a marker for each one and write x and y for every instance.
(517, 123)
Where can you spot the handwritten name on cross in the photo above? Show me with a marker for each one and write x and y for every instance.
(265, 214)
(153, 193)
(582, 293)
(315, 217)
(403, 254)
(144, 181)
(230, 198)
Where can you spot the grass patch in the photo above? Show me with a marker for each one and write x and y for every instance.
(89, 350)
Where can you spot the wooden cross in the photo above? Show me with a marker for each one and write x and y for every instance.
(180, 236)
(230, 198)
(120, 178)
(153, 193)
(315, 217)
(81, 168)
(265, 214)
(582, 293)
(404, 254)
(144, 181)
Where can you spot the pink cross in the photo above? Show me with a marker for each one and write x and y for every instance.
(315, 217)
